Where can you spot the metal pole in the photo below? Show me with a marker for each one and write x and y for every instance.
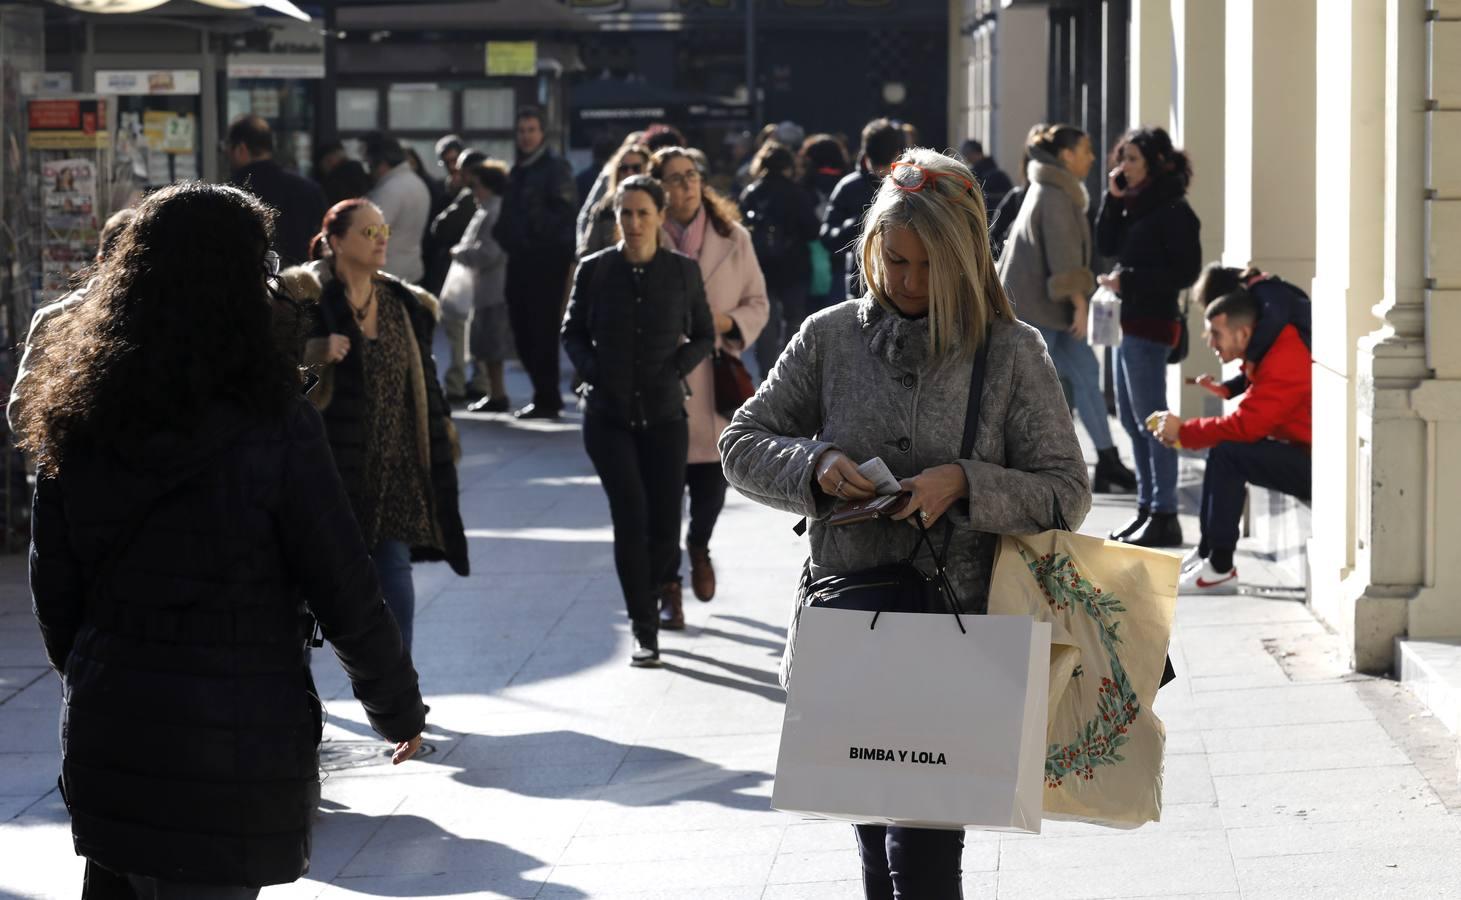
(753, 90)
(326, 122)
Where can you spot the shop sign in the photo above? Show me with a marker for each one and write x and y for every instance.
(67, 125)
(33, 83)
(510, 58)
(138, 81)
(255, 69)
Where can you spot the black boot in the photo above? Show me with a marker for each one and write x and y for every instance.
(1125, 531)
(1161, 530)
(646, 647)
(1111, 476)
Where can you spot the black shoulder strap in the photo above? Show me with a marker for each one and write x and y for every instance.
(976, 397)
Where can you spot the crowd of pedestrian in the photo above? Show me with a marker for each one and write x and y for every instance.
(312, 419)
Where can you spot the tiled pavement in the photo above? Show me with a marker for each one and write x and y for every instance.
(559, 772)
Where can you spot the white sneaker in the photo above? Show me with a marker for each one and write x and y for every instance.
(1204, 579)
(1193, 558)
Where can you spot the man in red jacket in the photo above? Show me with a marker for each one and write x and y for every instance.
(1265, 441)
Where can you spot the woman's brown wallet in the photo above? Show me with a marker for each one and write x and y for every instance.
(880, 507)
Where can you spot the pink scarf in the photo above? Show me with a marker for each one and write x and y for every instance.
(689, 239)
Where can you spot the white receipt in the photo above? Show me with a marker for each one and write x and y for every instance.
(876, 471)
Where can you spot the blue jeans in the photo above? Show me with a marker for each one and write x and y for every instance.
(1076, 363)
(1141, 389)
(393, 568)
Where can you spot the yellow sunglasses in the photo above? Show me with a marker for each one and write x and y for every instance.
(376, 232)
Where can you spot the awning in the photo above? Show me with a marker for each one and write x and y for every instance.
(133, 6)
(498, 15)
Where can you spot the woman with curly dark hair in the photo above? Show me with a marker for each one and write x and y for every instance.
(705, 226)
(1148, 228)
(386, 415)
(186, 502)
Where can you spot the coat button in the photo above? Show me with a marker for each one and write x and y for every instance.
(909, 381)
(904, 444)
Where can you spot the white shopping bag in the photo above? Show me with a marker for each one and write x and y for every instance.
(914, 722)
(1104, 327)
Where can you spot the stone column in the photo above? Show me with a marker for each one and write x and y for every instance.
(1270, 81)
(1198, 127)
(1391, 450)
(1435, 611)
(1349, 277)
(1151, 63)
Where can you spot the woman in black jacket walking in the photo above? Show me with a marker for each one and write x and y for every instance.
(385, 413)
(781, 215)
(633, 306)
(1146, 225)
(186, 510)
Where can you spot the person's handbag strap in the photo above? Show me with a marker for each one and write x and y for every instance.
(976, 397)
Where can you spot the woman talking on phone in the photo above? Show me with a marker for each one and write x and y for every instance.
(1146, 225)
(888, 376)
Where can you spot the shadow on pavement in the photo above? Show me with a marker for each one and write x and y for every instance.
(448, 864)
(755, 681)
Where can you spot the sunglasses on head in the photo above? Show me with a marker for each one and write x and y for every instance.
(913, 178)
(376, 232)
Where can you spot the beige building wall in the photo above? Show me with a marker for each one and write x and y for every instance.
(997, 76)
(1339, 121)
(1349, 277)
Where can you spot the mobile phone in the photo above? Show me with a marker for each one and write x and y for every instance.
(1120, 180)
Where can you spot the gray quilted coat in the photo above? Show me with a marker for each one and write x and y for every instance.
(864, 380)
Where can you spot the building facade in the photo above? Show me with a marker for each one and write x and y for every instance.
(1320, 133)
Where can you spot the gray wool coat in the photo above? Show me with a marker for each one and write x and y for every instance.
(1047, 255)
(862, 379)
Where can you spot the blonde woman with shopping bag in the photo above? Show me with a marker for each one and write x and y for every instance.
(888, 376)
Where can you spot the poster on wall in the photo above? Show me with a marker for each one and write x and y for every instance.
(69, 228)
(74, 124)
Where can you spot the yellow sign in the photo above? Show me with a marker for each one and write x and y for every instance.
(512, 58)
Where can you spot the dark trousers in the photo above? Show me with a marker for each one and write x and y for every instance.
(535, 286)
(707, 485)
(788, 310)
(156, 889)
(1231, 467)
(911, 863)
(643, 474)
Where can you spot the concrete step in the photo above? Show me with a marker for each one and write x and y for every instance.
(1432, 671)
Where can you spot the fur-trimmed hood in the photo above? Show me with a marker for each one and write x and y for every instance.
(1048, 172)
(306, 284)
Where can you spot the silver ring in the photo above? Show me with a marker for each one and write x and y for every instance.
(838, 489)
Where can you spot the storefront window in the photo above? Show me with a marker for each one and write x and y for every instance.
(419, 110)
(357, 109)
(488, 108)
(287, 105)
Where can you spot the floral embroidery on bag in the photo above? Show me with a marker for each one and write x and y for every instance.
(1100, 738)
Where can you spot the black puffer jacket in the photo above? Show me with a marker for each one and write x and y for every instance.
(341, 398)
(843, 222)
(189, 735)
(1155, 241)
(626, 334)
(540, 209)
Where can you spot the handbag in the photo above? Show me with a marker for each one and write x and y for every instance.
(732, 383)
(1180, 349)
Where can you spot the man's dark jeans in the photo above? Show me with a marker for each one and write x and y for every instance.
(1231, 467)
(535, 288)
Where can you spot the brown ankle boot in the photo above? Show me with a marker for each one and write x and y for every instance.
(671, 610)
(702, 573)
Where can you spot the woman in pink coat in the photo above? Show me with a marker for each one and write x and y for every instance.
(706, 227)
